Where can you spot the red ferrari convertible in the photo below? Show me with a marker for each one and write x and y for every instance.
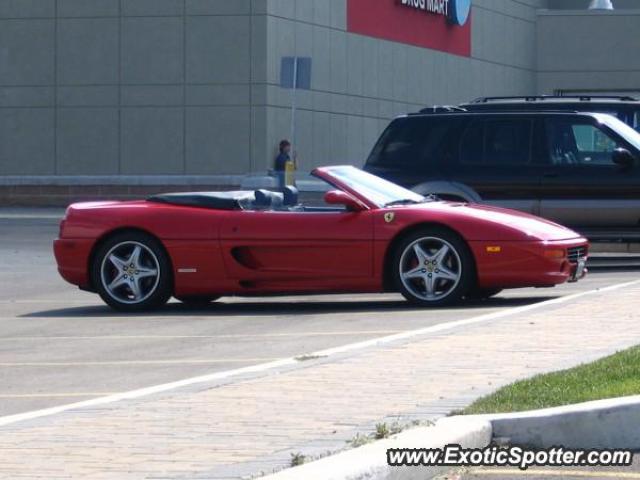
(370, 235)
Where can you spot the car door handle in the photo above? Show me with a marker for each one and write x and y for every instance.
(550, 175)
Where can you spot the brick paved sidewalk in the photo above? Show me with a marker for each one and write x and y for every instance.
(252, 425)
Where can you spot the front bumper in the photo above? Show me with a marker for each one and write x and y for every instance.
(579, 270)
(530, 263)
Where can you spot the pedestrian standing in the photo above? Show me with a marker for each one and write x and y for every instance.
(281, 161)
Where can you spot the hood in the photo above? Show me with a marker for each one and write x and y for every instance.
(510, 224)
(531, 225)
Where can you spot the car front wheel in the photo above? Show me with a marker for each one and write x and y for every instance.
(433, 267)
(132, 272)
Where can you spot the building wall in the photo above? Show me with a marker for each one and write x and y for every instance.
(584, 4)
(589, 51)
(130, 87)
(191, 87)
(359, 83)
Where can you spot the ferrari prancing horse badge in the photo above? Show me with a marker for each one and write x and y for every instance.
(389, 217)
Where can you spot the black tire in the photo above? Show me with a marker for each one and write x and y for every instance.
(462, 261)
(159, 287)
(483, 293)
(198, 301)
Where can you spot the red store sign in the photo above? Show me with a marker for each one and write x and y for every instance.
(443, 25)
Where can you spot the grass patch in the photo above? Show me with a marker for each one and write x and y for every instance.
(614, 376)
(308, 358)
(298, 459)
(359, 440)
(384, 430)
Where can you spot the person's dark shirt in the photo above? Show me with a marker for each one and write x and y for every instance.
(281, 162)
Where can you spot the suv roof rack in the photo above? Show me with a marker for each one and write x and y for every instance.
(435, 110)
(536, 98)
(443, 109)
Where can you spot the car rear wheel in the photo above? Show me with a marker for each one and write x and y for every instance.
(433, 267)
(132, 272)
(198, 301)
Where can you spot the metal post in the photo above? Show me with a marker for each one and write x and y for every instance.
(293, 103)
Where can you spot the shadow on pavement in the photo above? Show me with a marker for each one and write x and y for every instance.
(257, 308)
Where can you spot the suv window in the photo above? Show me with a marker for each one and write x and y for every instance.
(590, 139)
(411, 142)
(497, 142)
(578, 143)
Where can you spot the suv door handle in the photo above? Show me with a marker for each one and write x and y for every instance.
(550, 175)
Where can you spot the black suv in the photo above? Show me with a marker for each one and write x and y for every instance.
(626, 109)
(579, 169)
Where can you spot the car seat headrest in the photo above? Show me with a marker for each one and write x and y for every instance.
(290, 195)
(267, 199)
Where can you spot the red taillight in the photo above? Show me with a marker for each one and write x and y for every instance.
(61, 229)
(63, 222)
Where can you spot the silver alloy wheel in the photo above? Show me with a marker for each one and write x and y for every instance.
(130, 272)
(430, 268)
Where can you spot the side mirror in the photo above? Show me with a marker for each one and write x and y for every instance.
(338, 197)
(623, 158)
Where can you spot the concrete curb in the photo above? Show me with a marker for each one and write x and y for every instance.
(370, 461)
(612, 423)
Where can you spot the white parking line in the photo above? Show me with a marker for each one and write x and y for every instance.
(292, 361)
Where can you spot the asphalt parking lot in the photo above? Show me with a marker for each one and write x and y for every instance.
(59, 345)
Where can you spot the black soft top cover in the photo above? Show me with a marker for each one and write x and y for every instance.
(214, 200)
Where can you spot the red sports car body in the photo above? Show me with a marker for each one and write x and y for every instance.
(372, 236)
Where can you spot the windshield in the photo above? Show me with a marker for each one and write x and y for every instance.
(379, 191)
(621, 128)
